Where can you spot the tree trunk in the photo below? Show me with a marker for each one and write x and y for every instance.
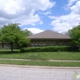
(11, 47)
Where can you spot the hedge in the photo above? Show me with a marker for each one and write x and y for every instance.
(50, 49)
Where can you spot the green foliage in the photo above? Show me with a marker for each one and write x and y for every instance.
(50, 49)
(75, 35)
(13, 35)
(27, 32)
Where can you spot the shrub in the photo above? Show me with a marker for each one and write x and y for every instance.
(49, 49)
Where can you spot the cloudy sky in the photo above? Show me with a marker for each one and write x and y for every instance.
(40, 15)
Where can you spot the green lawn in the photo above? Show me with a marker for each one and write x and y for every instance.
(35, 58)
(41, 55)
(40, 63)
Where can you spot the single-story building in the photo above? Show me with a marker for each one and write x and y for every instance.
(49, 38)
(46, 38)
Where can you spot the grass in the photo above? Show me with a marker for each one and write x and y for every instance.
(41, 63)
(35, 58)
(40, 55)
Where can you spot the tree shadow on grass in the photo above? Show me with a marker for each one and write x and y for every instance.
(9, 51)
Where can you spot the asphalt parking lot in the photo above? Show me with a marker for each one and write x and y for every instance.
(11, 72)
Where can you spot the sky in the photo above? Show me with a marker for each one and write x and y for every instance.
(41, 15)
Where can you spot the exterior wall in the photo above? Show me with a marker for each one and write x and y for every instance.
(4, 45)
(44, 42)
(47, 42)
(0, 45)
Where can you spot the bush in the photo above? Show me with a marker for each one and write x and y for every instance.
(50, 49)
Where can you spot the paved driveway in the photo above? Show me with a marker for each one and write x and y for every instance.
(10, 72)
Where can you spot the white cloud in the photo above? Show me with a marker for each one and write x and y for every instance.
(23, 11)
(25, 20)
(34, 30)
(70, 2)
(76, 8)
(65, 22)
(47, 13)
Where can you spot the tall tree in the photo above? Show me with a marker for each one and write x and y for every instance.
(27, 32)
(75, 35)
(13, 35)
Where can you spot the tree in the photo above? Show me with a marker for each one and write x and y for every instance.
(13, 35)
(75, 35)
(27, 32)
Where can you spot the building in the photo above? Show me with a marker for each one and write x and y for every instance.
(49, 38)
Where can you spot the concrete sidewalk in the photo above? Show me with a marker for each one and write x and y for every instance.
(17, 72)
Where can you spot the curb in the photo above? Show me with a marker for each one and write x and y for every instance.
(39, 67)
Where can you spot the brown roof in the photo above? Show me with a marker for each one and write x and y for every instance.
(48, 34)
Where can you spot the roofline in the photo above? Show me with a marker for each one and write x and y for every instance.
(50, 38)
